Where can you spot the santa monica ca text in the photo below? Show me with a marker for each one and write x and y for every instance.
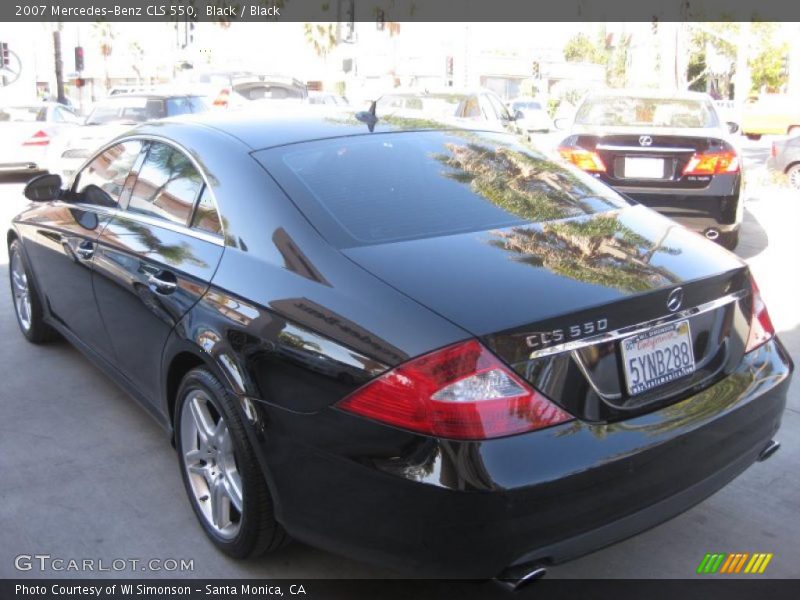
(141, 589)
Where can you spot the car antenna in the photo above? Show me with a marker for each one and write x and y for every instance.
(368, 116)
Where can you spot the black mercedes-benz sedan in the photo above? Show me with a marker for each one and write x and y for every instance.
(671, 152)
(428, 347)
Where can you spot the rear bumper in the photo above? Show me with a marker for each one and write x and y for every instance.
(470, 509)
(717, 206)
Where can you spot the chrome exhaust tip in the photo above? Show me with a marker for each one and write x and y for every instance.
(711, 233)
(769, 450)
(515, 578)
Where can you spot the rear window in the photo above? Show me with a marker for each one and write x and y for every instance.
(127, 110)
(653, 112)
(526, 106)
(391, 187)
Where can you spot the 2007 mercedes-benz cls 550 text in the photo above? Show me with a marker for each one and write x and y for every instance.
(427, 347)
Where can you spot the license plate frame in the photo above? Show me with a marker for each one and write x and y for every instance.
(637, 167)
(650, 358)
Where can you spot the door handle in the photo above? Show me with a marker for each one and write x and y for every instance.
(85, 250)
(163, 282)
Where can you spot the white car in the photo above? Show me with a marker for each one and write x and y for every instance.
(29, 133)
(531, 115)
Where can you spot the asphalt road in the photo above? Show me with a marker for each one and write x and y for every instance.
(86, 474)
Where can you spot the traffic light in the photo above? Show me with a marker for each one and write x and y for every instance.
(5, 56)
(79, 58)
(785, 65)
(350, 21)
(535, 69)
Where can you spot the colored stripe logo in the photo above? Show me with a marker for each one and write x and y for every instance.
(737, 562)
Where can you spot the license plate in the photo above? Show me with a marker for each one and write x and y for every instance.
(658, 356)
(644, 168)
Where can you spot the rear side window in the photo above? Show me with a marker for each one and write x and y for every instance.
(103, 179)
(392, 187)
(167, 185)
(206, 217)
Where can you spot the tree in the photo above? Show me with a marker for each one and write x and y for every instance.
(580, 48)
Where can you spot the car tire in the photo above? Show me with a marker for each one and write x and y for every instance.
(220, 471)
(793, 130)
(793, 176)
(25, 297)
(753, 136)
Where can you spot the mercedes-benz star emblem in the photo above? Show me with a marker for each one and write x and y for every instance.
(645, 140)
(675, 299)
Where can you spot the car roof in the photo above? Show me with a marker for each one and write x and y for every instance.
(163, 95)
(649, 93)
(260, 130)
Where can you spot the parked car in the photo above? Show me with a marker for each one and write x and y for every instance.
(116, 115)
(417, 345)
(669, 152)
(327, 99)
(531, 115)
(785, 158)
(236, 89)
(28, 133)
(771, 114)
(481, 106)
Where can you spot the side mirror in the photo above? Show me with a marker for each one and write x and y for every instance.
(44, 188)
(561, 123)
(518, 114)
(732, 127)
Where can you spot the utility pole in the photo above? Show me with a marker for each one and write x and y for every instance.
(59, 67)
(742, 80)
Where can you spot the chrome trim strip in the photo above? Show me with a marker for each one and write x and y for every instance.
(146, 220)
(149, 137)
(660, 150)
(610, 336)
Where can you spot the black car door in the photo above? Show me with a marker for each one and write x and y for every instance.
(61, 241)
(155, 260)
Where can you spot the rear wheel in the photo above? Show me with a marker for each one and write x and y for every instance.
(27, 306)
(220, 471)
(793, 131)
(793, 175)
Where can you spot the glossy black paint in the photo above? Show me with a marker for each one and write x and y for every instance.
(699, 202)
(292, 325)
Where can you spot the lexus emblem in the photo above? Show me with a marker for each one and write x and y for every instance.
(675, 299)
(645, 140)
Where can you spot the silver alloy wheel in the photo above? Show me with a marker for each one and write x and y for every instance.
(20, 291)
(794, 177)
(210, 464)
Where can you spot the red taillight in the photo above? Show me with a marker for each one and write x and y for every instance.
(40, 138)
(583, 159)
(221, 101)
(761, 329)
(713, 163)
(774, 151)
(459, 392)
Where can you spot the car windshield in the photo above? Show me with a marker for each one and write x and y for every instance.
(131, 110)
(526, 106)
(23, 114)
(652, 112)
(432, 105)
(393, 187)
